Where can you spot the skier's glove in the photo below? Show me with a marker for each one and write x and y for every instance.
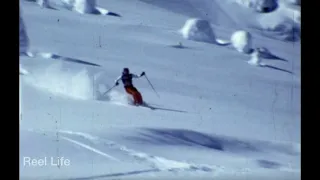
(143, 73)
(117, 83)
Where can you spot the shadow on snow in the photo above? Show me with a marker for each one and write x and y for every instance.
(268, 164)
(276, 68)
(183, 137)
(74, 60)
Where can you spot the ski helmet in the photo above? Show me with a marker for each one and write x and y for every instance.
(125, 70)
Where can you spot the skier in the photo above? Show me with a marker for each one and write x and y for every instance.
(126, 79)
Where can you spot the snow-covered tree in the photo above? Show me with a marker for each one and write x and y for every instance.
(198, 30)
(81, 6)
(242, 41)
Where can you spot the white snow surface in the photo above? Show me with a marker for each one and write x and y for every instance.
(217, 117)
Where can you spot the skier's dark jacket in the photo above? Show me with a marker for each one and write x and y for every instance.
(127, 79)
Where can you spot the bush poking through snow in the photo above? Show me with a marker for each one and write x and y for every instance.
(242, 41)
(198, 30)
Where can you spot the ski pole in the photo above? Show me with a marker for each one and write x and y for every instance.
(151, 85)
(109, 90)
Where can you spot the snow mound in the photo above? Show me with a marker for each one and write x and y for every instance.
(283, 25)
(44, 3)
(292, 13)
(259, 5)
(242, 41)
(58, 81)
(198, 30)
(81, 6)
(23, 36)
(255, 58)
(86, 7)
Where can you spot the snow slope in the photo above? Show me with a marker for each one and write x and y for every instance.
(217, 116)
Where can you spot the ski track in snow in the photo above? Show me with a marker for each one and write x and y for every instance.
(155, 162)
(89, 148)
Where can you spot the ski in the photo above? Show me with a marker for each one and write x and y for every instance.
(144, 105)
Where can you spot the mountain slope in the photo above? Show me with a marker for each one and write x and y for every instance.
(227, 117)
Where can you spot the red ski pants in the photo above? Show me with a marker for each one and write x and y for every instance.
(135, 94)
